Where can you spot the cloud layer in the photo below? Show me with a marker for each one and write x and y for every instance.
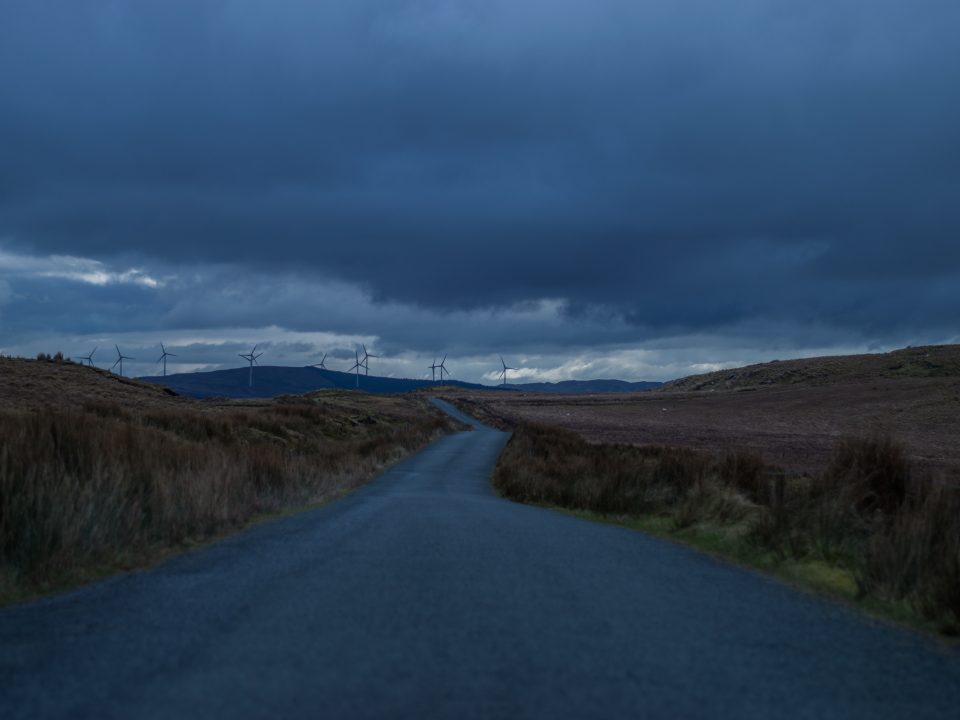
(558, 177)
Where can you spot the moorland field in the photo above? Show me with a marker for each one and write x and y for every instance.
(791, 412)
(100, 473)
(840, 473)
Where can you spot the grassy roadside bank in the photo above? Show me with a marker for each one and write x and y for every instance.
(95, 487)
(869, 530)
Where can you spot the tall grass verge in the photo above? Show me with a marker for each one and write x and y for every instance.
(88, 490)
(869, 516)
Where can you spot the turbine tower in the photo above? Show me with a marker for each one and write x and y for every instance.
(164, 358)
(120, 358)
(251, 358)
(88, 358)
(321, 363)
(365, 363)
(433, 370)
(503, 373)
(442, 367)
(356, 366)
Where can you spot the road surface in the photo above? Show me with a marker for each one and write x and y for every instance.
(423, 595)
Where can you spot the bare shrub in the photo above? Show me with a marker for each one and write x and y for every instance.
(916, 556)
(557, 467)
(872, 472)
(899, 533)
(746, 471)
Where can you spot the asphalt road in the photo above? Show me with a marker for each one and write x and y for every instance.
(423, 595)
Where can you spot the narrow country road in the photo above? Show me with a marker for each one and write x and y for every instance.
(423, 595)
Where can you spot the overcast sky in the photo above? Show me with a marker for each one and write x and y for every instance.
(615, 188)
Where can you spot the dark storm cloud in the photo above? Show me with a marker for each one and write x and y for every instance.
(657, 167)
(216, 299)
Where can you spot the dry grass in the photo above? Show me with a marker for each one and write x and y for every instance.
(869, 514)
(88, 485)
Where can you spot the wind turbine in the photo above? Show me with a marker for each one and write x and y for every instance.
(443, 368)
(321, 363)
(120, 358)
(251, 358)
(356, 366)
(503, 373)
(164, 358)
(88, 358)
(433, 370)
(366, 360)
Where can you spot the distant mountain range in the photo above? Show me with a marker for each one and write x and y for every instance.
(271, 380)
(585, 386)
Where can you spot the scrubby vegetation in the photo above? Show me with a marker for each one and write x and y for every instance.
(869, 517)
(97, 487)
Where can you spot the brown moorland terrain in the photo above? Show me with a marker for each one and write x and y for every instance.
(791, 412)
(100, 473)
(837, 473)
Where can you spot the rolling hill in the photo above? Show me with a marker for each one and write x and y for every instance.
(574, 387)
(31, 385)
(272, 380)
(931, 361)
(793, 412)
